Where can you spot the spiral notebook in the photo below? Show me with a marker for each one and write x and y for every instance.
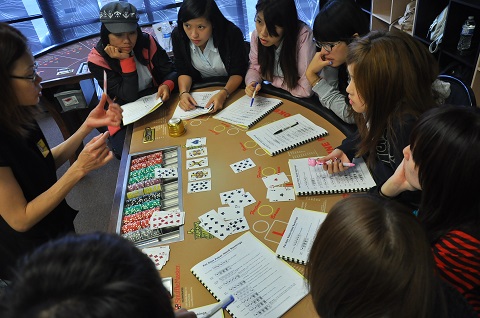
(240, 113)
(314, 180)
(298, 238)
(262, 284)
(286, 133)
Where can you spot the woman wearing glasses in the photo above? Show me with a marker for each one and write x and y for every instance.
(278, 40)
(33, 209)
(336, 25)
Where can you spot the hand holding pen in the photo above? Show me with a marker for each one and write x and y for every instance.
(254, 93)
(336, 161)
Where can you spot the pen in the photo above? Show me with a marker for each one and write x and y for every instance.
(283, 129)
(313, 162)
(254, 92)
(104, 81)
(221, 305)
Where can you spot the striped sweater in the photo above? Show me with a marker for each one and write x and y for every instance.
(457, 255)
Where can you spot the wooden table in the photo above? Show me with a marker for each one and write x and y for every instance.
(227, 144)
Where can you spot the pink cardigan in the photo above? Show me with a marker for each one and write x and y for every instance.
(305, 53)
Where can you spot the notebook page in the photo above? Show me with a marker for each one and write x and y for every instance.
(315, 180)
(201, 98)
(295, 130)
(240, 113)
(298, 238)
(262, 284)
(143, 106)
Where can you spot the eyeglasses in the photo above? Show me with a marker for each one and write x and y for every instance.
(326, 46)
(32, 77)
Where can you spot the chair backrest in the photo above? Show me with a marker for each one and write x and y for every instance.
(461, 94)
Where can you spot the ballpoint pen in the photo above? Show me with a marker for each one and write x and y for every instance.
(254, 92)
(313, 162)
(283, 129)
(221, 305)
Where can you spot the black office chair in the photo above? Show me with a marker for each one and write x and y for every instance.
(460, 93)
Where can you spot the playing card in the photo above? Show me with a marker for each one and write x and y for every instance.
(200, 174)
(213, 224)
(281, 194)
(166, 173)
(196, 152)
(197, 163)
(238, 225)
(275, 179)
(196, 142)
(242, 165)
(158, 254)
(225, 196)
(161, 219)
(230, 213)
(199, 186)
(241, 200)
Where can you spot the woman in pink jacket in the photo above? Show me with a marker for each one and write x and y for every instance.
(278, 40)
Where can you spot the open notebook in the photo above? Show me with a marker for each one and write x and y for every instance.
(141, 107)
(241, 114)
(201, 98)
(314, 180)
(262, 284)
(298, 238)
(285, 134)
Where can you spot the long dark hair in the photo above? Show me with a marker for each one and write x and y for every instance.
(208, 9)
(388, 101)
(339, 20)
(445, 145)
(14, 119)
(282, 13)
(371, 258)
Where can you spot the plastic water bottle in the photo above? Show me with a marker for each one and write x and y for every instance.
(466, 35)
(166, 30)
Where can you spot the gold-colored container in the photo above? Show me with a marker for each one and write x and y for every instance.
(176, 127)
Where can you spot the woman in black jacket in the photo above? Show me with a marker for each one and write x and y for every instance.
(206, 44)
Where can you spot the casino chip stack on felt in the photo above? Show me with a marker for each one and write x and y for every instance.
(151, 188)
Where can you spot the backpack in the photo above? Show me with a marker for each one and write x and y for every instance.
(436, 30)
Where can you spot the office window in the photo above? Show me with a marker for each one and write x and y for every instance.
(51, 23)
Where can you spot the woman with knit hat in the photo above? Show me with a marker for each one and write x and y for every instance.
(133, 60)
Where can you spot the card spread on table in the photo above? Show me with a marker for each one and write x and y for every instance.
(281, 194)
(213, 224)
(241, 200)
(199, 186)
(242, 165)
(197, 163)
(161, 219)
(225, 196)
(196, 142)
(238, 225)
(199, 174)
(158, 254)
(196, 152)
(275, 179)
(166, 173)
(230, 213)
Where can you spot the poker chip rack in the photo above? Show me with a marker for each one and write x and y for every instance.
(143, 194)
